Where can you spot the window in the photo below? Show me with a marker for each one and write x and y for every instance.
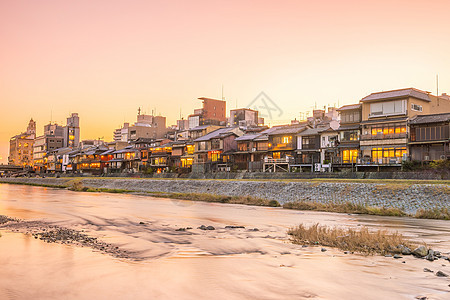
(387, 108)
(416, 107)
(287, 139)
(349, 156)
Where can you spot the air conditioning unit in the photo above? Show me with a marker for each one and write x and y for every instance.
(426, 157)
(253, 149)
(442, 157)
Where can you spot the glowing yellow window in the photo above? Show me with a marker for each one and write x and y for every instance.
(385, 130)
(276, 155)
(287, 139)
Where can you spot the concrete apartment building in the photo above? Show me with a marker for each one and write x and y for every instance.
(213, 112)
(244, 117)
(384, 125)
(21, 147)
(71, 132)
(146, 126)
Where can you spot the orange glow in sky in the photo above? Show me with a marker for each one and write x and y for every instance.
(104, 59)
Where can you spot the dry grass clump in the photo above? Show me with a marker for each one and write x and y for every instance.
(246, 200)
(437, 213)
(362, 241)
(346, 207)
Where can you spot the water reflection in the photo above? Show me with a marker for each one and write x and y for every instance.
(221, 264)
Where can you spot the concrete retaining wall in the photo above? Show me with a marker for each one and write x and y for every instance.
(406, 197)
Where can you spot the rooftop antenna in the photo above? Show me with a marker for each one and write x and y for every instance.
(437, 85)
(139, 111)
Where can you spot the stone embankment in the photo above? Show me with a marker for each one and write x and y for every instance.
(407, 197)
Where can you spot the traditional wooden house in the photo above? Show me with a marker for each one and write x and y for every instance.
(348, 149)
(213, 151)
(430, 137)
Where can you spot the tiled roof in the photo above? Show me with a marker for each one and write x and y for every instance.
(248, 137)
(201, 127)
(349, 127)
(287, 130)
(215, 134)
(349, 107)
(410, 92)
(434, 118)
(314, 131)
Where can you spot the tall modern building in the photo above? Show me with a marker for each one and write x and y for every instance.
(213, 112)
(21, 147)
(71, 132)
(146, 126)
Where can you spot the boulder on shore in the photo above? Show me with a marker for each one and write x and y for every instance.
(420, 251)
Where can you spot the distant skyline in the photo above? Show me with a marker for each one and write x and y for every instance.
(104, 59)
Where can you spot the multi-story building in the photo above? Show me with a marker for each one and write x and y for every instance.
(71, 132)
(385, 115)
(213, 112)
(243, 117)
(348, 149)
(21, 147)
(146, 126)
(215, 148)
(42, 145)
(429, 137)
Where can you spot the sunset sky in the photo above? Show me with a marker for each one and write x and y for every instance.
(104, 59)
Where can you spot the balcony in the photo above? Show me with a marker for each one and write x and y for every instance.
(381, 136)
(380, 161)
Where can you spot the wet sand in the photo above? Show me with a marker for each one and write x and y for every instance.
(195, 264)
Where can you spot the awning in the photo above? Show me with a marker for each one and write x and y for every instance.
(353, 145)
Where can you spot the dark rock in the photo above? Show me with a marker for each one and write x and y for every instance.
(234, 227)
(181, 229)
(404, 250)
(345, 252)
(396, 256)
(420, 251)
(388, 255)
(141, 223)
(430, 255)
(427, 270)
(323, 249)
(203, 227)
(441, 274)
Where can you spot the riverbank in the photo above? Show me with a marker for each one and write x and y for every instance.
(426, 199)
(248, 254)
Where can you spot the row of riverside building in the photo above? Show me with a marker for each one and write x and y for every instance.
(380, 132)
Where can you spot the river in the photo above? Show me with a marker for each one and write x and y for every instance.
(196, 264)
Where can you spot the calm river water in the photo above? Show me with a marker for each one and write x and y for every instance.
(197, 264)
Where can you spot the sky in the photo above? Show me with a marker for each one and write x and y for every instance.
(103, 59)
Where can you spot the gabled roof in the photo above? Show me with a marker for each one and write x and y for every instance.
(314, 131)
(216, 134)
(126, 149)
(248, 137)
(410, 92)
(349, 107)
(201, 127)
(288, 129)
(433, 118)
